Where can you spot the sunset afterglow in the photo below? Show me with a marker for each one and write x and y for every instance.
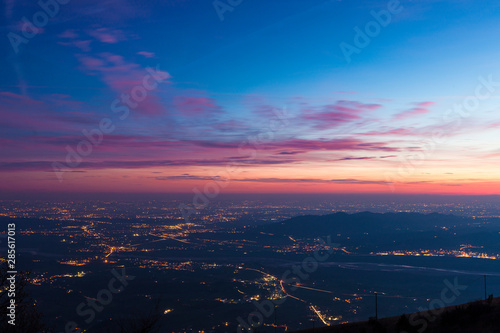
(159, 106)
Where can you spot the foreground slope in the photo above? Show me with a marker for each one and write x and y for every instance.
(473, 317)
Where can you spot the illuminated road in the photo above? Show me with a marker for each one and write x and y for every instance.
(283, 289)
(309, 288)
(282, 285)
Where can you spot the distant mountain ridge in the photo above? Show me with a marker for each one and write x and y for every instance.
(395, 231)
(311, 225)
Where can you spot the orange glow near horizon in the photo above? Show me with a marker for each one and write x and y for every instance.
(144, 181)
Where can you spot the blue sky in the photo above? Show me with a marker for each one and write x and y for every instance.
(360, 119)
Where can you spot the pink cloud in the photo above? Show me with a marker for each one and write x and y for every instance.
(341, 112)
(13, 95)
(60, 96)
(71, 34)
(122, 77)
(425, 104)
(304, 145)
(151, 106)
(396, 131)
(195, 106)
(70, 39)
(331, 145)
(109, 36)
(230, 125)
(43, 165)
(419, 109)
(493, 125)
(32, 122)
(147, 54)
(53, 113)
(115, 70)
(83, 45)
(91, 63)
